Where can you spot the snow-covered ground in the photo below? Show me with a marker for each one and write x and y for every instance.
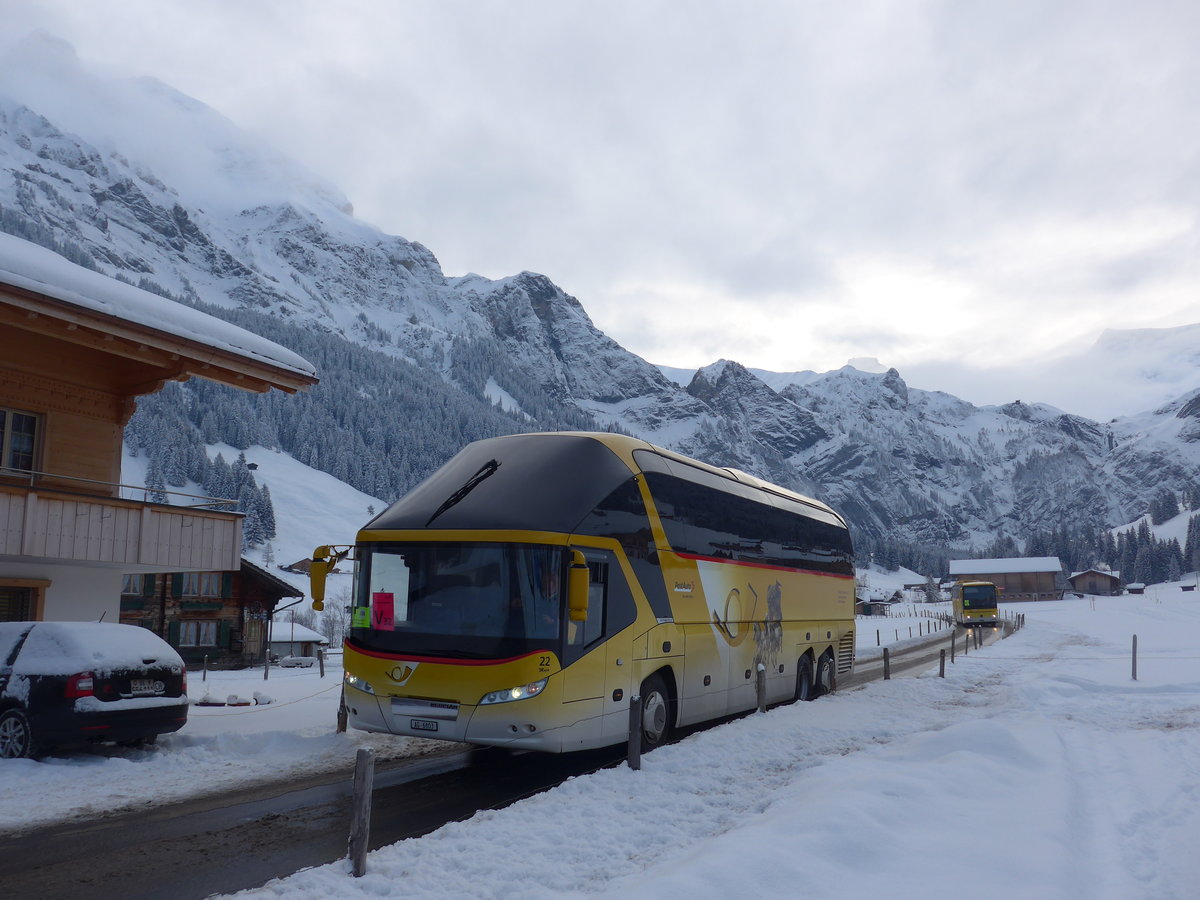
(1036, 768)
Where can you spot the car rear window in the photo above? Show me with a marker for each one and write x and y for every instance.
(10, 635)
(64, 648)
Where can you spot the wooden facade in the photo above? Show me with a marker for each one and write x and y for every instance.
(1037, 578)
(76, 351)
(1096, 581)
(219, 615)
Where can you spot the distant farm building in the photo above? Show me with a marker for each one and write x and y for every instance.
(1096, 581)
(1019, 578)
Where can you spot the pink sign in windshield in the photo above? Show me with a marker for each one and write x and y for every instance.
(383, 611)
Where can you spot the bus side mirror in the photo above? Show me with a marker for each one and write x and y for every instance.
(325, 558)
(578, 578)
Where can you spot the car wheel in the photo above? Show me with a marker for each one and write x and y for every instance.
(16, 737)
(656, 712)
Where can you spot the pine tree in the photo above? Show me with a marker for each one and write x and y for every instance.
(154, 480)
(266, 512)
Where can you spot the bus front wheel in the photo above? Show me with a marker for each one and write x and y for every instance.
(824, 676)
(656, 712)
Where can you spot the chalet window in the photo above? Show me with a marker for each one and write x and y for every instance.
(198, 634)
(16, 604)
(18, 439)
(201, 584)
(132, 584)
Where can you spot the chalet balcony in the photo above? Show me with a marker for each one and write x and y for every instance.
(51, 524)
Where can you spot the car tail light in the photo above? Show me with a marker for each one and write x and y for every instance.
(81, 685)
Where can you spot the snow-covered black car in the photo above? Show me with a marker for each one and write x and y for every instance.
(69, 683)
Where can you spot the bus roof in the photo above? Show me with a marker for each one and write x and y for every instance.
(545, 481)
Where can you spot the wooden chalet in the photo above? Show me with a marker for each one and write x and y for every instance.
(1101, 582)
(1019, 578)
(76, 351)
(219, 615)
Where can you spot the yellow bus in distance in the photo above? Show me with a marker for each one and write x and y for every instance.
(524, 592)
(975, 603)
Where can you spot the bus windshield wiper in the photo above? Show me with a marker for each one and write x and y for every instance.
(485, 471)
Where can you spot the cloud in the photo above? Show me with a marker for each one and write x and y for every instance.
(785, 184)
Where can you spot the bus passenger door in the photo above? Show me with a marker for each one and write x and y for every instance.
(597, 658)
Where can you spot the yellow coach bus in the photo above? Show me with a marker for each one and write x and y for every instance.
(975, 603)
(524, 592)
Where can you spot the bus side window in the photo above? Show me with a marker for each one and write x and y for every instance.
(611, 607)
(588, 631)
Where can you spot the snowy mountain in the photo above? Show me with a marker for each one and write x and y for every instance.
(414, 362)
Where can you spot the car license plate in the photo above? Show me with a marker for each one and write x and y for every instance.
(422, 725)
(142, 686)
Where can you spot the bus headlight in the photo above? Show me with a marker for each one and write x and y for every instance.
(359, 684)
(523, 692)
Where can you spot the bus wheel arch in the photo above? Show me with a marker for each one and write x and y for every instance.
(658, 709)
(826, 678)
(805, 683)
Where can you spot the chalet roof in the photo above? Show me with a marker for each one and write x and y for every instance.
(42, 292)
(1109, 572)
(1005, 566)
(276, 584)
(282, 632)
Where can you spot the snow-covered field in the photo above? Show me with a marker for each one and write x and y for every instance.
(1037, 768)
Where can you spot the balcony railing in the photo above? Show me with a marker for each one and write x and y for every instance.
(127, 491)
(41, 523)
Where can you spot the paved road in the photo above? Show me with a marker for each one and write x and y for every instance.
(241, 839)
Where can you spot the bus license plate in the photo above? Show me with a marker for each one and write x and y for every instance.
(422, 725)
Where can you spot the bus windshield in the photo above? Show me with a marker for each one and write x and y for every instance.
(979, 596)
(465, 600)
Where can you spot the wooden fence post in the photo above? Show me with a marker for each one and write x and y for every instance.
(1135, 657)
(321, 660)
(360, 822)
(204, 676)
(634, 753)
(942, 665)
(887, 665)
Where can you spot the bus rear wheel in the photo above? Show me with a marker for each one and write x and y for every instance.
(656, 712)
(804, 680)
(824, 675)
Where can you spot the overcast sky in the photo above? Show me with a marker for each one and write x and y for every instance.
(786, 184)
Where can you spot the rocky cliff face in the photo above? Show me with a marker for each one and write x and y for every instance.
(910, 464)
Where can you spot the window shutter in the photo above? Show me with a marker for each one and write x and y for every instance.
(149, 584)
(223, 638)
(173, 633)
(177, 584)
(226, 585)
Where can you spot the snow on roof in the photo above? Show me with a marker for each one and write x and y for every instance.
(64, 648)
(1109, 572)
(283, 631)
(33, 268)
(1004, 566)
